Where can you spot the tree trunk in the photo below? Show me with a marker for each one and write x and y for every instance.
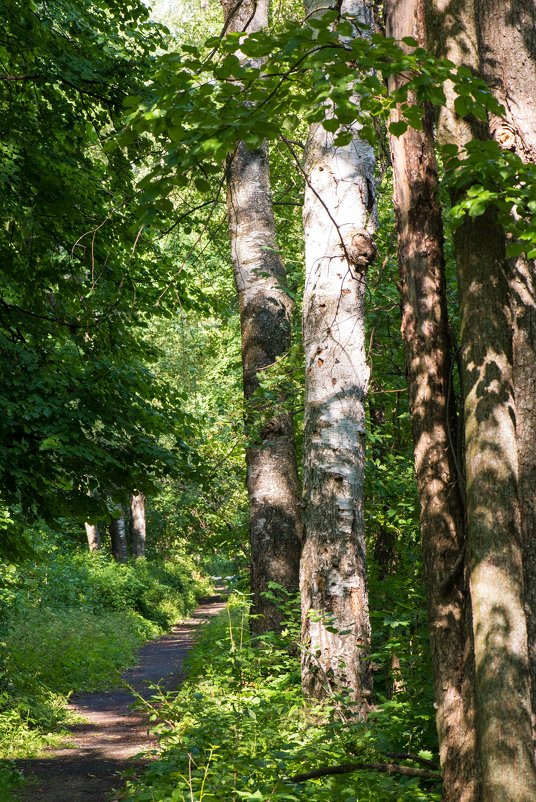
(425, 329)
(265, 318)
(507, 44)
(119, 539)
(494, 544)
(138, 531)
(93, 537)
(339, 218)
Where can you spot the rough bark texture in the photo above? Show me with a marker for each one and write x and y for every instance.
(93, 537)
(265, 317)
(119, 539)
(339, 219)
(425, 329)
(494, 545)
(138, 530)
(507, 45)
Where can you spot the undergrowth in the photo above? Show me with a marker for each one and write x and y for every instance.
(239, 729)
(74, 623)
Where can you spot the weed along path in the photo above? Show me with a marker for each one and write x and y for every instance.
(112, 733)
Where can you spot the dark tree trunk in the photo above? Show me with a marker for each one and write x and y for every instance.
(425, 329)
(119, 539)
(265, 317)
(137, 528)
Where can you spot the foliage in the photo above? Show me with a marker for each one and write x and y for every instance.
(239, 727)
(73, 623)
(81, 414)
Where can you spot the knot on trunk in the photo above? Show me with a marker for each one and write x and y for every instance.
(503, 133)
(361, 249)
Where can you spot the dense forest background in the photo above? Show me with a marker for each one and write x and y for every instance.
(177, 198)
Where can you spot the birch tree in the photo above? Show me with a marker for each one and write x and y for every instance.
(265, 318)
(339, 219)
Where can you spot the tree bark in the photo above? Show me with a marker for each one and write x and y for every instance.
(138, 530)
(93, 537)
(265, 318)
(339, 218)
(494, 546)
(428, 349)
(507, 46)
(119, 539)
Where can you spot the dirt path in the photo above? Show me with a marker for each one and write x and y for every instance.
(113, 733)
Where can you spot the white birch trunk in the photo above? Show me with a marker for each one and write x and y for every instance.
(339, 218)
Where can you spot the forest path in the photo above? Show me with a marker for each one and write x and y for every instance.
(112, 732)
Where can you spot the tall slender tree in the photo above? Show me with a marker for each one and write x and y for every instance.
(339, 219)
(265, 318)
(428, 347)
(506, 34)
(494, 550)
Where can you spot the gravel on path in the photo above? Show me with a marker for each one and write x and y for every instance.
(112, 733)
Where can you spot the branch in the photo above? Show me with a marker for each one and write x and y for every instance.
(19, 77)
(386, 768)
(424, 761)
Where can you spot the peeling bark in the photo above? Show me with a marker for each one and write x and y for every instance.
(265, 318)
(425, 330)
(339, 219)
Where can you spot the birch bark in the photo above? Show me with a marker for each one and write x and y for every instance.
(265, 317)
(425, 329)
(339, 219)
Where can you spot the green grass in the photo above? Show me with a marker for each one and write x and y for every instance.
(239, 728)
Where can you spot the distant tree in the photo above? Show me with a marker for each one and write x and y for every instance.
(93, 537)
(137, 526)
(118, 534)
